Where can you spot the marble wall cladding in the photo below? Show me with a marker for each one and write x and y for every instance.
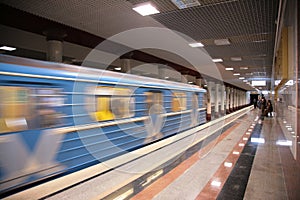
(288, 107)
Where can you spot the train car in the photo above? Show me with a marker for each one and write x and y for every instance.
(57, 118)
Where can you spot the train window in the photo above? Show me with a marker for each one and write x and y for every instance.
(23, 108)
(154, 102)
(113, 103)
(178, 101)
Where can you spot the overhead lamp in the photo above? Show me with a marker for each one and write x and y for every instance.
(118, 68)
(236, 74)
(197, 44)
(145, 9)
(258, 83)
(245, 81)
(181, 4)
(166, 77)
(257, 41)
(220, 42)
(236, 58)
(190, 82)
(228, 68)
(6, 48)
(217, 60)
(243, 68)
(242, 78)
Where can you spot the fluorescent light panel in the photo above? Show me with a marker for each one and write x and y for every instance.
(228, 68)
(181, 4)
(236, 74)
(236, 58)
(244, 68)
(145, 9)
(220, 42)
(217, 60)
(6, 48)
(242, 78)
(197, 44)
(258, 83)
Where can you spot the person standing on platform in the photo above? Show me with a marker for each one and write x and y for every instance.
(254, 103)
(263, 106)
(269, 109)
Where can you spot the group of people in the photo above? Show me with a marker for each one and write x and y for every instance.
(265, 106)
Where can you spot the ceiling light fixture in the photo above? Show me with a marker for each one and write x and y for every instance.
(228, 68)
(197, 44)
(243, 68)
(181, 4)
(242, 78)
(6, 48)
(217, 60)
(118, 68)
(236, 74)
(220, 42)
(145, 9)
(259, 83)
(236, 58)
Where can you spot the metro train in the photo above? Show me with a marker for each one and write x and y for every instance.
(56, 119)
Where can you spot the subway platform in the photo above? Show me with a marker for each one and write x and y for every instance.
(239, 156)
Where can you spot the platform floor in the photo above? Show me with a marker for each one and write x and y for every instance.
(238, 166)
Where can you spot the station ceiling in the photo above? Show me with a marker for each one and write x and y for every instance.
(248, 25)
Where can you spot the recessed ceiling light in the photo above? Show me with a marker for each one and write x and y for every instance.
(145, 9)
(236, 74)
(198, 44)
(217, 60)
(236, 58)
(259, 41)
(222, 42)
(242, 78)
(6, 48)
(190, 82)
(228, 68)
(243, 67)
(181, 4)
(118, 68)
(166, 77)
(258, 83)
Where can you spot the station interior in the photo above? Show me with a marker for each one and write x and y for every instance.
(230, 53)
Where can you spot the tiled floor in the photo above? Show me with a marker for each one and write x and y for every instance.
(266, 180)
(256, 174)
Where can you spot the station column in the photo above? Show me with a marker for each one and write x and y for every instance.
(199, 82)
(233, 98)
(227, 100)
(217, 99)
(55, 44)
(209, 100)
(222, 111)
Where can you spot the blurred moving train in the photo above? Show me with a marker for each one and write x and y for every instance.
(56, 118)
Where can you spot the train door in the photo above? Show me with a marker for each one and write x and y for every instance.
(155, 110)
(195, 113)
